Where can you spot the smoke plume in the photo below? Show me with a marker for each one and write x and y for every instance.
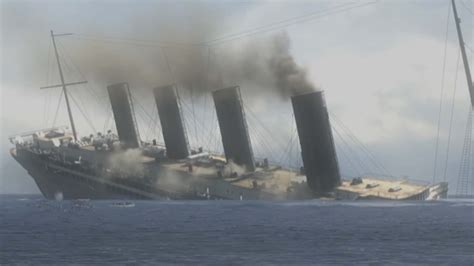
(126, 163)
(264, 64)
(290, 78)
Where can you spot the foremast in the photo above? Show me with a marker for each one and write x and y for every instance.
(63, 83)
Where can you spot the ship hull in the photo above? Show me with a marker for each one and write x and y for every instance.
(57, 181)
(54, 182)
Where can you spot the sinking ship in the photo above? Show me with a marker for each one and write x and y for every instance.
(122, 166)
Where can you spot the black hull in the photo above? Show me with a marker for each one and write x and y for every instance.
(54, 182)
(66, 181)
(59, 179)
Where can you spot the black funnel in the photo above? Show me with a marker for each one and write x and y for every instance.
(122, 107)
(316, 140)
(174, 134)
(233, 127)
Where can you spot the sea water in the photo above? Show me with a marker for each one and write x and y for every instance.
(38, 231)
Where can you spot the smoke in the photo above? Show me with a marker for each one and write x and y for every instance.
(126, 163)
(266, 65)
(231, 168)
(180, 55)
(290, 78)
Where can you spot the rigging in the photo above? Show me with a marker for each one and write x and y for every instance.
(465, 172)
(63, 84)
(443, 73)
(451, 120)
(231, 37)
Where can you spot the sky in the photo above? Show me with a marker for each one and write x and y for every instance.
(380, 66)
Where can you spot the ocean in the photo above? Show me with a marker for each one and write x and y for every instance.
(43, 232)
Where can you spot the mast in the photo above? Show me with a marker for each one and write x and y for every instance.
(71, 120)
(463, 52)
(466, 157)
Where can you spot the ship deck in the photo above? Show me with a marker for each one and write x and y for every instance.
(273, 180)
(379, 188)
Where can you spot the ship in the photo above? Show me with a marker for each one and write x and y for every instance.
(123, 166)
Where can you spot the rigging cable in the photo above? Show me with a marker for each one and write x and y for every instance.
(205, 109)
(142, 119)
(69, 69)
(100, 100)
(199, 123)
(152, 126)
(350, 164)
(174, 81)
(107, 120)
(89, 88)
(311, 14)
(260, 140)
(83, 113)
(451, 118)
(267, 135)
(288, 147)
(467, 8)
(354, 153)
(217, 145)
(46, 101)
(186, 119)
(138, 42)
(295, 152)
(191, 91)
(214, 129)
(288, 22)
(57, 108)
(266, 28)
(230, 37)
(271, 135)
(260, 144)
(211, 133)
(435, 164)
(378, 165)
(469, 48)
(465, 170)
(360, 164)
(288, 159)
(135, 100)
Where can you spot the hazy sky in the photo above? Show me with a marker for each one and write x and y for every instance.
(379, 65)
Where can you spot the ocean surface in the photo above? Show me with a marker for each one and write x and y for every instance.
(43, 232)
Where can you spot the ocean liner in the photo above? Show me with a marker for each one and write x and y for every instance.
(123, 166)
